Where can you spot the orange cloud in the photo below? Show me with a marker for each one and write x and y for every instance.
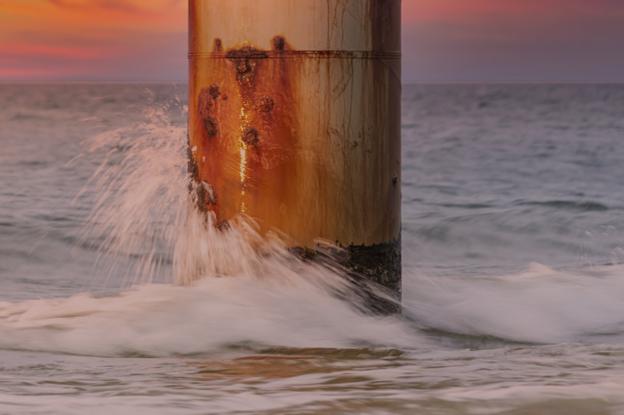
(410, 11)
(151, 7)
(69, 36)
(41, 50)
(22, 73)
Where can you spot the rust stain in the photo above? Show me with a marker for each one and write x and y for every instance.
(266, 105)
(294, 121)
(214, 91)
(302, 140)
(251, 137)
(245, 132)
(218, 45)
(279, 43)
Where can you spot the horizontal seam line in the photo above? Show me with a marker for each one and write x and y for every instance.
(293, 54)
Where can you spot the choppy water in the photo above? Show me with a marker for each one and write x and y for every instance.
(513, 208)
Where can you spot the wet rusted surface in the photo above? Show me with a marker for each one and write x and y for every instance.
(214, 91)
(250, 137)
(252, 146)
(279, 43)
(266, 105)
(218, 45)
(304, 141)
(243, 130)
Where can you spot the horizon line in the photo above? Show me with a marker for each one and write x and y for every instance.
(404, 83)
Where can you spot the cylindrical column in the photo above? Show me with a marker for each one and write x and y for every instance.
(294, 121)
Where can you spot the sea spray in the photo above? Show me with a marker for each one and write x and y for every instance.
(144, 210)
(145, 214)
(146, 227)
(146, 220)
(141, 195)
(220, 288)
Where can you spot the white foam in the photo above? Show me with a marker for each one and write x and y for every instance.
(539, 305)
(159, 319)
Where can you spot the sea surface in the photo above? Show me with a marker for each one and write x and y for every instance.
(115, 299)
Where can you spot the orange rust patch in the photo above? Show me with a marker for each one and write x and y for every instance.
(243, 130)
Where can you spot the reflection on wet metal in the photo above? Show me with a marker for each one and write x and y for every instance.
(295, 116)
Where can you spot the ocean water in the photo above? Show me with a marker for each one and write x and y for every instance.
(115, 299)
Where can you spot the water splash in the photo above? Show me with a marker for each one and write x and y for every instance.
(227, 287)
(538, 305)
(217, 287)
(141, 195)
(144, 210)
(209, 317)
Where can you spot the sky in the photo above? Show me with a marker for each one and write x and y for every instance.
(443, 40)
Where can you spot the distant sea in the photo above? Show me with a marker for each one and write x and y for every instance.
(513, 247)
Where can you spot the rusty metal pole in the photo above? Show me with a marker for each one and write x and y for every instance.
(294, 122)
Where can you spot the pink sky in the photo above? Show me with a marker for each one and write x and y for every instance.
(93, 39)
(444, 40)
